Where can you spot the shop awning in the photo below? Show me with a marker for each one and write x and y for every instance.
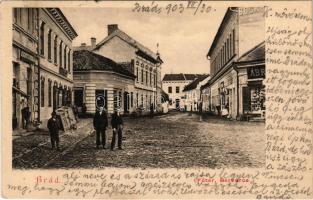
(20, 91)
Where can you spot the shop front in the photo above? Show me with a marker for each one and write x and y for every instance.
(254, 93)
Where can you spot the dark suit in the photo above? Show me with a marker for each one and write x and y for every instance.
(116, 123)
(54, 127)
(100, 123)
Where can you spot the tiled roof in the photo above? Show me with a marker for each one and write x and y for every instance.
(181, 77)
(255, 54)
(195, 83)
(86, 60)
(130, 41)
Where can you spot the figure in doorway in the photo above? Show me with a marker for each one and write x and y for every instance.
(25, 117)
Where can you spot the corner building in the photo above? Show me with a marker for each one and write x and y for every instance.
(237, 65)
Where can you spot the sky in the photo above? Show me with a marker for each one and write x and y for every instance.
(184, 38)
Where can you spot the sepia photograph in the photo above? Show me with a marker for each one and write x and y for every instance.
(108, 87)
(156, 99)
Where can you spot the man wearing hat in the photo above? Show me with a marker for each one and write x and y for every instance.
(117, 126)
(54, 127)
(100, 123)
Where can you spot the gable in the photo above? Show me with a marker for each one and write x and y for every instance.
(117, 50)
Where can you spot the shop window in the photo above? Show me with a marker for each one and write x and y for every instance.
(257, 99)
(49, 93)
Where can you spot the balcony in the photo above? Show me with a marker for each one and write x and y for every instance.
(63, 71)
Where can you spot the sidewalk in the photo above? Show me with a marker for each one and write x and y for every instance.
(33, 149)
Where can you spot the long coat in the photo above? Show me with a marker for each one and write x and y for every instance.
(100, 121)
(53, 125)
(116, 120)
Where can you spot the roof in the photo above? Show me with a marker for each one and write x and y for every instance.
(181, 77)
(227, 15)
(257, 53)
(142, 49)
(58, 15)
(195, 83)
(86, 60)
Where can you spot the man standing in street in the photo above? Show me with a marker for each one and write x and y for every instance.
(117, 126)
(100, 123)
(54, 127)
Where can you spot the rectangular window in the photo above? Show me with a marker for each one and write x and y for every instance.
(49, 45)
(60, 54)
(141, 99)
(69, 61)
(137, 100)
(50, 93)
(42, 93)
(141, 75)
(169, 89)
(177, 89)
(55, 50)
(137, 74)
(15, 15)
(115, 99)
(234, 42)
(146, 77)
(150, 79)
(64, 62)
(42, 39)
(131, 99)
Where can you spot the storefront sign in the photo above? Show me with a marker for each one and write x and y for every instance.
(256, 72)
(27, 57)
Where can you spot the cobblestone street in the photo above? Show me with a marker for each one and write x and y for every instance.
(177, 140)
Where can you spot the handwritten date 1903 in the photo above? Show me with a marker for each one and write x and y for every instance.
(172, 8)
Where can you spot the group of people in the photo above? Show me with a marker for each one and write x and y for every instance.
(100, 124)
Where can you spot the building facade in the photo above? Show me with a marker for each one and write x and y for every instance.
(55, 60)
(173, 85)
(238, 50)
(123, 49)
(192, 93)
(100, 82)
(25, 91)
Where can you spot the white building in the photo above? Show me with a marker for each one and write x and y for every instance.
(173, 85)
(192, 93)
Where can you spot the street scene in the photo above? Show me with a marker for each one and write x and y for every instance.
(181, 142)
(114, 91)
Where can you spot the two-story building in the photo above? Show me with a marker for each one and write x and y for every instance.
(55, 60)
(192, 93)
(145, 65)
(237, 64)
(101, 82)
(25, 85)
(173, 85)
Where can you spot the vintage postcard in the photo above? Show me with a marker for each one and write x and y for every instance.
(156, 99)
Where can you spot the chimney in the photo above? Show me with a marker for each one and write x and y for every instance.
(83, 44)
(93, 42)
(112, 28)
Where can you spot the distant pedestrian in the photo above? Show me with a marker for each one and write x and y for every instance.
(54, 127)
(151, 110)
(117, 126)
(100, 123)
(75, 112)
(25, 117)
(84, 110)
